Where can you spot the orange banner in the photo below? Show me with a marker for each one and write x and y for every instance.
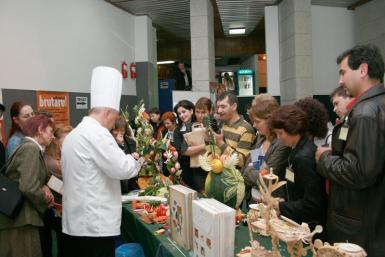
(56, 103)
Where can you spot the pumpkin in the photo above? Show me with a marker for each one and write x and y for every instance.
(227, 187)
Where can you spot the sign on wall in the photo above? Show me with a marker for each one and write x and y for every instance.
(57, 103)
(81, 102)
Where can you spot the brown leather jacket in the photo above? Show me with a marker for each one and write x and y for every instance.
(357, 174)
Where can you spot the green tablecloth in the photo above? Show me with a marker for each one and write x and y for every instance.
(134, 230)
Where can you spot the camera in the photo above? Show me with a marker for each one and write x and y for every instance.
(215, 125)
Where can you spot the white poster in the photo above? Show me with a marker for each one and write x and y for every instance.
(81, 102)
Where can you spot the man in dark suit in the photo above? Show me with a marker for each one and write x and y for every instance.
(182, 78)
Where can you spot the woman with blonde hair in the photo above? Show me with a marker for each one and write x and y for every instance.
(52, 218)
(53, 150)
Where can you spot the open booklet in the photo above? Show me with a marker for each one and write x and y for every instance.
(55, 184)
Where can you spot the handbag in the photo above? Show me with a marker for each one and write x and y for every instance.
(11, 198)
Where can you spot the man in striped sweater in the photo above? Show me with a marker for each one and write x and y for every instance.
(237, 135)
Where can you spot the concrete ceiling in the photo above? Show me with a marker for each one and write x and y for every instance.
(172, 21)
(336, 3)
(246, 13)
(172, 17)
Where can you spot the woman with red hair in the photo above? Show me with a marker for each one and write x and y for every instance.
(20, 112)
(20, 236)
(169, 122)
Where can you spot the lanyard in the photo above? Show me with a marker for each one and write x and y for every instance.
(291, 157)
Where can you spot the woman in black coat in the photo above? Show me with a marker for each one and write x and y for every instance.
(306, 195)
(185, 113)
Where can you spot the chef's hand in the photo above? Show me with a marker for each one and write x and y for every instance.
(320, 151)
(135, 155)
(141, 161)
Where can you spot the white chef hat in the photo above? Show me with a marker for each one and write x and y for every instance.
(106, 87)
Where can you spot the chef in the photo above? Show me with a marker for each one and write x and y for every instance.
(92, 165)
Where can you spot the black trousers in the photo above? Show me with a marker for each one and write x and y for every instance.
(46, 240)
(199, 179)
(81, 246)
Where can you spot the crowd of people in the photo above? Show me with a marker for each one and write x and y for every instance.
(335, 177)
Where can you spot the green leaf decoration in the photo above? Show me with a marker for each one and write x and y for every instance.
(212, 143)
(231, 178)
(217, 150)
(125, 114)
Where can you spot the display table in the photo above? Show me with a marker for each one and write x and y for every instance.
(134, 230)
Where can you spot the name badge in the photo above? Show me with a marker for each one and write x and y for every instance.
(289, 175)
(343, 133)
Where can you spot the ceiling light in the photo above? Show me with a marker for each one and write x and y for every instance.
(165, 62)
(237, 31)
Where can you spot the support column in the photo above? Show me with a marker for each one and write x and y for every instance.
(296, 80)
(272, 50)
(145, 59)
(202, 44)
(369, 26)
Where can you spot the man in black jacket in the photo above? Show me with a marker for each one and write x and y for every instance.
(183, 79)
(357, 169)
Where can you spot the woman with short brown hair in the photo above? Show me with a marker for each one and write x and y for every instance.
(306, 196)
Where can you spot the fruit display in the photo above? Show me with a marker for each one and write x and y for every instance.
(224, 181)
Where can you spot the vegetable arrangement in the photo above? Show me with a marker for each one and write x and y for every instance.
(224, 181)
(151, 212)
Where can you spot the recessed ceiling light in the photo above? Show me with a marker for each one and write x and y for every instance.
(165, 62)
(237, 31)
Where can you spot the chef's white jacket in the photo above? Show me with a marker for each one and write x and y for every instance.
(92, 165)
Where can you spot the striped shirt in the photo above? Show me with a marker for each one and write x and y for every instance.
(239, 137)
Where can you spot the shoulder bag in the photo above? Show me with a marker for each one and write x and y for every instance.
(11, 198)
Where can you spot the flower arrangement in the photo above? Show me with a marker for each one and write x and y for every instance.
(150, 176)
(147, 147)
(172, 164)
